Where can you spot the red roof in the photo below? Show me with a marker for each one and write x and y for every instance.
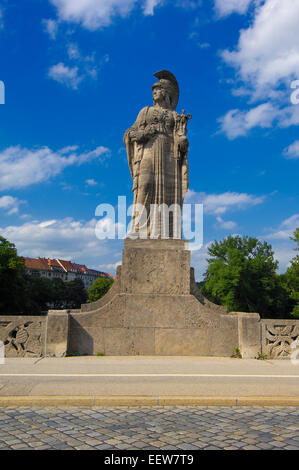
(36, 263)
(52, 264)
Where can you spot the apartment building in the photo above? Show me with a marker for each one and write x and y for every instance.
(65, 270)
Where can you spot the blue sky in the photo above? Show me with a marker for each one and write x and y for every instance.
(77, 73)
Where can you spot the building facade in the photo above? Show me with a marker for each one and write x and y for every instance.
(65, 270)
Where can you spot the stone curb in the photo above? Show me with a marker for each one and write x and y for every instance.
(145, 401)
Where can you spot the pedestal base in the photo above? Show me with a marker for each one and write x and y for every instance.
(155, 308)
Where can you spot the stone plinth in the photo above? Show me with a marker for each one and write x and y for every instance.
(155, 308)
(155, 267)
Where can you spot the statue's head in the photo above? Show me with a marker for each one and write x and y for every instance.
(168, 88)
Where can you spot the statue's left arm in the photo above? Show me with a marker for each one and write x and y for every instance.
(181, 147)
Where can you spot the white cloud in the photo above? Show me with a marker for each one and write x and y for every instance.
(292, 151)
(21, 167)
(283, 254)
(68, 76)
(93, 14)
(92, 155)
(289, 116)
(199, 261)
(68, 149)
(226, 224)
(51, 27)
(79, 68)
(266, 60)
(227, 7)
(10, 204)
(204, 45)
(66, 239)
(149, 5)
(109, 267)
(268, 50)
(96, 14)
(91, 182)
(75, 54)
(283, 247)
(291, 222)
(286, 229)
(73, 51)
(221, 203)
(236, 123)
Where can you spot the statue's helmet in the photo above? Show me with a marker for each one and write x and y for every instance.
(168, 81)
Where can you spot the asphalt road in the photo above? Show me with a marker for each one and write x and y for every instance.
(148, 376)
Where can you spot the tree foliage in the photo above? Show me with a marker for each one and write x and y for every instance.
(242, 276)
(76, 293)
(99, 288)
(26, 295)
(12, 283)
(291, 279)
(56, 293)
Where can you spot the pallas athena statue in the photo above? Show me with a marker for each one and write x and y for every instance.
(157, 150)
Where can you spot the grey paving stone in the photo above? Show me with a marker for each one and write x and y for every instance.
(168, 428)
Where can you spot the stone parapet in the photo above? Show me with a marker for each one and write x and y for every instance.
(278, 336)
(249, 334)
(57, 333)
(23, 335)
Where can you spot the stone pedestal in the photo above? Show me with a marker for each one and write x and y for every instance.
(155, 267)
(155, 308)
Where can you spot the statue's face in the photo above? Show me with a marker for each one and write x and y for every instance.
(160, 96)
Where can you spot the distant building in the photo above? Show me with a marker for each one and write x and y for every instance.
(65, 270)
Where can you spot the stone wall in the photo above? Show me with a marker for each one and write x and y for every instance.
(278, 336)
(23, 335)
(35, 336)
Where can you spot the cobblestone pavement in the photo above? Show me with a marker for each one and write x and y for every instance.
(149, 428)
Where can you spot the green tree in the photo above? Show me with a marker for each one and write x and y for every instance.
(59, 294)
(76, 293)
(13, 293)
(39, 293)
(99, 288)
(55, 293)
(242, 276)
(291, 279)
(295, 238)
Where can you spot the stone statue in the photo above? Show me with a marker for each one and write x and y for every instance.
(157, 149)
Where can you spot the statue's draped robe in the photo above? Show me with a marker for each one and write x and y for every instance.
(158, 177)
